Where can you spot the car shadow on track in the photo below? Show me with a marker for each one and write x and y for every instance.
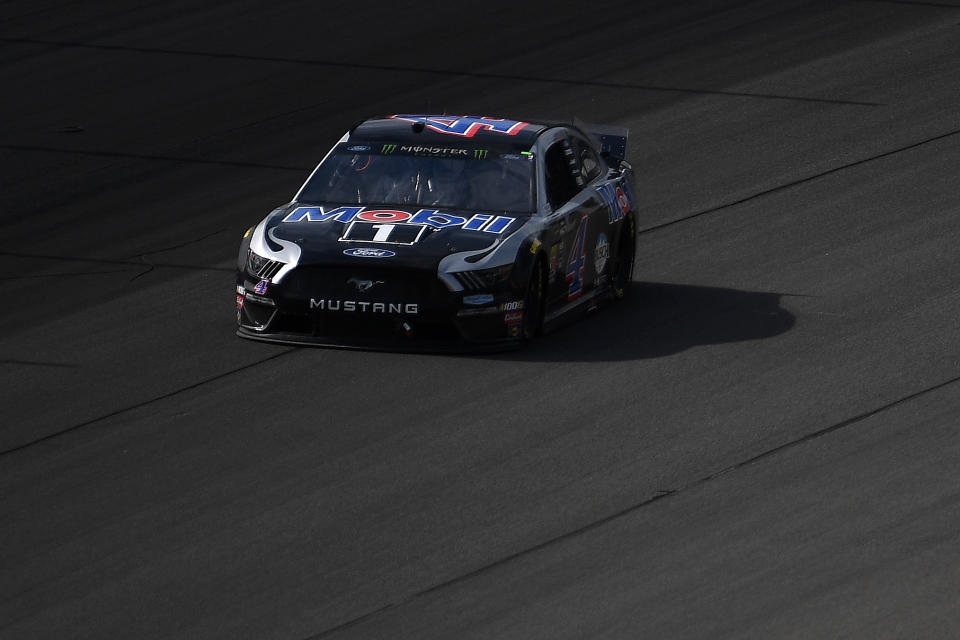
(658, 319)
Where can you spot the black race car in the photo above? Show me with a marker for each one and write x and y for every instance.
(420, 230)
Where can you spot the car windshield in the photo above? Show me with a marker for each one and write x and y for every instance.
(477, 179)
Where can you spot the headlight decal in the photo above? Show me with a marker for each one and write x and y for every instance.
(288, 257)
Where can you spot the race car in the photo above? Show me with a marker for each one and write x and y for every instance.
(427, 230)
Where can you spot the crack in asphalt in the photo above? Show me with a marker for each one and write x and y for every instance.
(63, 275)
(433, 71)
(917, 3)
(661, 495)
(795, 183)
(151, 266)
(144, 403)
(38, 363)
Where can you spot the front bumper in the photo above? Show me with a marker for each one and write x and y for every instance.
(376, 308)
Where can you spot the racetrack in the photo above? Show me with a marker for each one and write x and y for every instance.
(759, 442)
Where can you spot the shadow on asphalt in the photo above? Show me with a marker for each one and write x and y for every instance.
(657, 319)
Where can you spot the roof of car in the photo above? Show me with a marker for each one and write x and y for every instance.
(419, 128)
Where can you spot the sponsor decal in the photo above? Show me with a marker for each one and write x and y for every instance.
(240, 289)
(601, 253)
(622, 200)
(515, 305)
(364, 306)
(534, 247)
(465, 126)
(367, 252)
(618, 198)
(252, 297)
(514, 317)
(431, 217)
(479, 299)
(387, 149)
(261, 288)
(515, 331)
(480, 154)
(359, 147)
(554, 251)
(239, 302)
(364, 285)
(442, 152)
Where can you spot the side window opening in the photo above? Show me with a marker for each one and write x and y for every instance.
(589, 161)
(560, 182)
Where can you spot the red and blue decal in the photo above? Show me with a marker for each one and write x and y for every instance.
(465, 126)
(431, 217)
(618, 197)
(577, 261)
(261, 288)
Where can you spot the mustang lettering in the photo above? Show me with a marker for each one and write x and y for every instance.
(363, 306)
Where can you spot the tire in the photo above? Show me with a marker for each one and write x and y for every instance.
(533, 304)
(623, 265)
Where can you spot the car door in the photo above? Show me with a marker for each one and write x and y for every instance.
(599, 237)
(572, 224)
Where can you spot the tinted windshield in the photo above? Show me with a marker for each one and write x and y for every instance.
(478, 179)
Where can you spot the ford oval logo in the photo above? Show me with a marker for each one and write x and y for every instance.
(366, 252)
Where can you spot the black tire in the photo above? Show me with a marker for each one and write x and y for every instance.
(533, 304)
(623, 265)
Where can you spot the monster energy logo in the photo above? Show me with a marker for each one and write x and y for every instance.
(388, 148)
(480, 154)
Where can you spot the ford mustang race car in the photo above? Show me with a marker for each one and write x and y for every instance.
(418, 229)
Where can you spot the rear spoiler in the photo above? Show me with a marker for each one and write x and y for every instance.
(611, 139)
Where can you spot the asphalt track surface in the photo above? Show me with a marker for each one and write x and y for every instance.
(760, 442)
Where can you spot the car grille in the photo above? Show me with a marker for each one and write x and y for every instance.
(364, 283)
(266, 268)
(470, 281)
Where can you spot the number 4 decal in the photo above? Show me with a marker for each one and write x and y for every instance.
(578, 259)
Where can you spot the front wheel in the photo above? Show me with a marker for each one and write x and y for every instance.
(533, 303)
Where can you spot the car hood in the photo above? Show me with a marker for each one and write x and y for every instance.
(417, 237)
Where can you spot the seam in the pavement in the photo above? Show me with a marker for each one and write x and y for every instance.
(640, 505)
(795, 183)
(134, 263)
(145, 156)
(138, 405)
(443, 72)
(917, 3)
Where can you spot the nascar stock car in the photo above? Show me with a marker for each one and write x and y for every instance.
(420, 229)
